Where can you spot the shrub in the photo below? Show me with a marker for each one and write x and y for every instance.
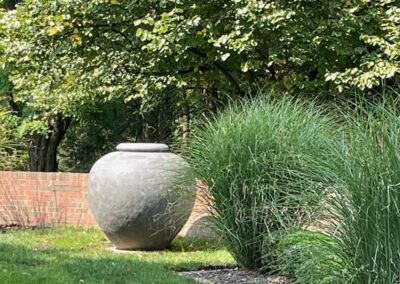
(310, 258)
(254, 159)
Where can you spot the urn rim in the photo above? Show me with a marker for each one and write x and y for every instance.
(143, 147)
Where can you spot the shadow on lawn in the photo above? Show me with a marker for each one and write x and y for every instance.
(19, 264)
(192, 244)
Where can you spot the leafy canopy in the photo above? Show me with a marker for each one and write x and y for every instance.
(63, 55)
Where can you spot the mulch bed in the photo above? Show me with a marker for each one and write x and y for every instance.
(233, 275)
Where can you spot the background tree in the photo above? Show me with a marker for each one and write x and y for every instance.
(176, 59)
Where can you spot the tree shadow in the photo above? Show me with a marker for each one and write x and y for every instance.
(19, 264)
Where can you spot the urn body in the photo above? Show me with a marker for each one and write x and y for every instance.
(141, 195)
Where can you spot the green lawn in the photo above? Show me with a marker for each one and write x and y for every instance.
(74, 255)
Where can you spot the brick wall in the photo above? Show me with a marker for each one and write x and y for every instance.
(28, 198)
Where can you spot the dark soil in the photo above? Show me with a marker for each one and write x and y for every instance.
(5, 228)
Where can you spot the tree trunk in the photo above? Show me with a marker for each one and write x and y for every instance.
(186, 126)
(151, 127)
(42, 148)
(10, 4)
(166, 118)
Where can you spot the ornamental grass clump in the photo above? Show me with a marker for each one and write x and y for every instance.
(254, 159)
(365, 203)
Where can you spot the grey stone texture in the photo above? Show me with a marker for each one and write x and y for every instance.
(142, 147)
(140, 196)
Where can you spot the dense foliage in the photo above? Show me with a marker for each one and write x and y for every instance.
(311, 258)
(12, 150)
(64, 57)
(360, 240)
(266, 165)
(364, 203)
(100, 131)
(379, 59)
(254, 158)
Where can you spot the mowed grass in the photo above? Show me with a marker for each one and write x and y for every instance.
(76, 255)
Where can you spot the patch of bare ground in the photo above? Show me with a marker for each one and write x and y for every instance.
(234, 275)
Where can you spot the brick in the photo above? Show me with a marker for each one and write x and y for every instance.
(42, 176)
(20, 175)
(59, 187)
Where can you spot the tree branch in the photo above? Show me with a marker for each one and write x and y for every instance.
(222, 69)
(13, 105)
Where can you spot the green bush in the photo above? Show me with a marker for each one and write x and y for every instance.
(310, 258)
(253, 157)
(366, 198)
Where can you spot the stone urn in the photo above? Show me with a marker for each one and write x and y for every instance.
(141, 195)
